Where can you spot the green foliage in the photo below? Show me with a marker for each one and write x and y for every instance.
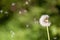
(13, 21)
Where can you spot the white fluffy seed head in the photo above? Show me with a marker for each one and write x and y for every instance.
(55, 38)
(44, 21)
(25, 11)
(1, 11)
(27, 25)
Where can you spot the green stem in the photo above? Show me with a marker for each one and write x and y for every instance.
(48, 33)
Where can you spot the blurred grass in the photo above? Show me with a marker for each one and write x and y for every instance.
(35, 31)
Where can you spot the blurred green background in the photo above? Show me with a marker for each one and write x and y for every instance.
(19, 19)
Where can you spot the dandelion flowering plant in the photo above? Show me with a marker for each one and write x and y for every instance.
(45, 23)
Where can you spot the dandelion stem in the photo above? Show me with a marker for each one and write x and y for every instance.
(48, 33)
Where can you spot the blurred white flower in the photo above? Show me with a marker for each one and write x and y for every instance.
(12, 34)
(44, 20)
(6, 12)
(1, 11)
(13, 4)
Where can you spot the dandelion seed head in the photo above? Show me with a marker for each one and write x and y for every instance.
(44, 20)
(27, 2)
(20, 12)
